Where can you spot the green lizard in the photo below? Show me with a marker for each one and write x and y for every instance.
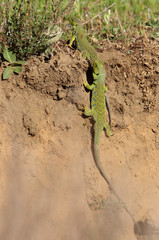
(98, 111)
(99, 99)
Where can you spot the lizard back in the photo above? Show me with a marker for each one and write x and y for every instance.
(99, 109)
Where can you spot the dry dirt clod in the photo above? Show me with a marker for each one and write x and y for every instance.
(61, 93)
(30, 126)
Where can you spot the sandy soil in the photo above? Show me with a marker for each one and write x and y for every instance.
(50, 187)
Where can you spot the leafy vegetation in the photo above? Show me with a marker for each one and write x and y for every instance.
(14, 65)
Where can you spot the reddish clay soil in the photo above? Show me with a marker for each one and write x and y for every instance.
(50, 187)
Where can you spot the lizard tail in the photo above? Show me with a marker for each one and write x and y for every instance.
(102, 172)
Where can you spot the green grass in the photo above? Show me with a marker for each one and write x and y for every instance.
(122, 19)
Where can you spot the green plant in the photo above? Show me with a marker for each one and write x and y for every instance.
(24, 25)
(14, 65)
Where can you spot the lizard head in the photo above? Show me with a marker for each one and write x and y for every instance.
(74, 21)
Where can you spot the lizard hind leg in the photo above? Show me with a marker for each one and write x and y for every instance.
(105, 89)
(107, 128)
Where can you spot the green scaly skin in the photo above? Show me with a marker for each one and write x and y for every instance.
(98, 111)
(98, 105)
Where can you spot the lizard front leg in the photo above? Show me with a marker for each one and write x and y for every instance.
(71, 41)
(88, 112)
(90, 87)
